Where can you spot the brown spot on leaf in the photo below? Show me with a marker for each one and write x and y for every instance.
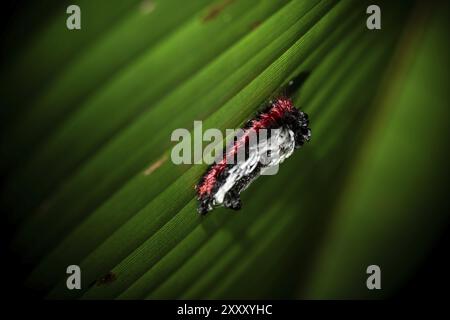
(106, 279)
(147, 6)
(255, 25)
(155, 165)
(215, 10)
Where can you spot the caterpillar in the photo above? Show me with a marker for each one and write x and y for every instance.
(287, 129)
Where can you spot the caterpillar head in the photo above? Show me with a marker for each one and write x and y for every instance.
(298, 122)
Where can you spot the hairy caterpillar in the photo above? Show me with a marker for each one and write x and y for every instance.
(223, 182)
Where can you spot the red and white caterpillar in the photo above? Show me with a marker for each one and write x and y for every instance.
(224, 180)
